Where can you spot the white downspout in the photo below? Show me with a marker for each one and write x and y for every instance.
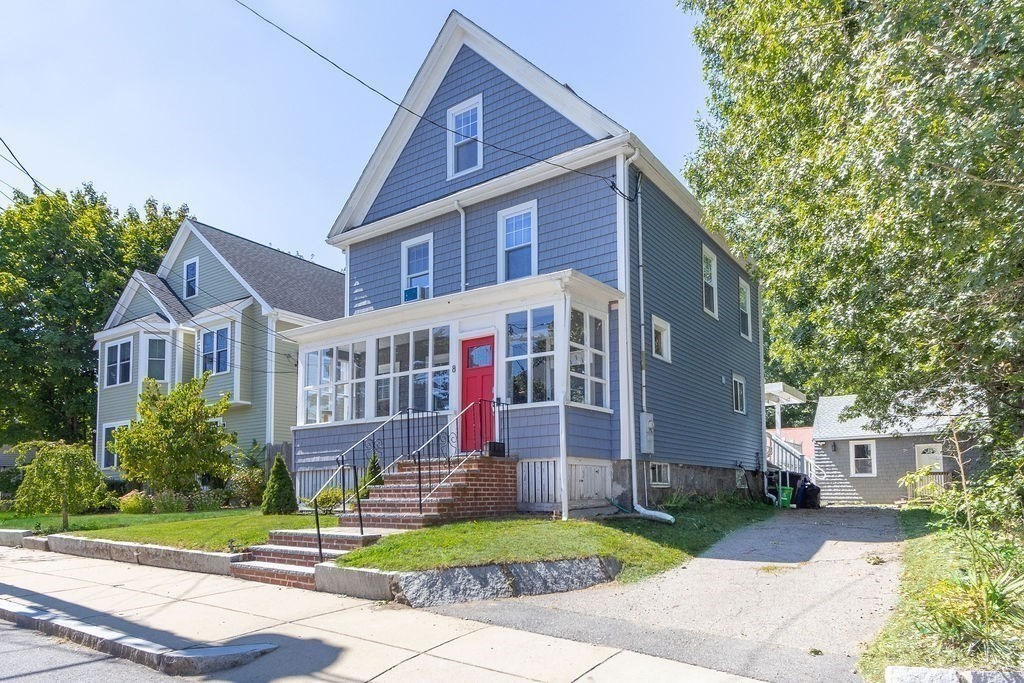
(644, 512)
(760, 349)
(462, 246)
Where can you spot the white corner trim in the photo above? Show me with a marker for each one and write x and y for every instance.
(456, 32)
(271, 376)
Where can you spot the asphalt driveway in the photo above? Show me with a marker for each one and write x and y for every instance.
(792, 598)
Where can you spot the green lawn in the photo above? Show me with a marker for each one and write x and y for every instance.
(928, 556)
(643, 547)
(50, 524)
(242, 527)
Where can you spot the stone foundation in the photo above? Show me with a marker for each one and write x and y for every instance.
(686, 480)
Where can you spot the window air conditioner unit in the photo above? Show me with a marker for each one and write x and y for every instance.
(414, 294)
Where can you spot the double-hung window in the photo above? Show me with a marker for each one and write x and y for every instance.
(109, 457)
(156, 359)
(744, 302)
(588, 369)
(517, 242)
(417, 265)
(465, 137)
(215, 354)
(739, 394)
(862, 458)
(190, 278)
(530, 355)
(119, 363)
(412, 371)
(709, 278)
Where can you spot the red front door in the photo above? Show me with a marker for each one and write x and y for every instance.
(477, 384)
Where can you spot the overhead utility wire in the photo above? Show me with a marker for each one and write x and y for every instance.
(607, 179)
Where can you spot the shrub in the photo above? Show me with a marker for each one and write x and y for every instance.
(246, 486)
(135, 503)
(979, 613)
(372, 476)
(169, 501)
(330, 498)
(279, 497)
(205, 501)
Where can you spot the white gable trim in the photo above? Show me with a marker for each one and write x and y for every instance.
(117, 314)
(459, 31)
(156, 300)
(187, 228)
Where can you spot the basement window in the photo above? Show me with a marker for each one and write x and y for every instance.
(660, 476)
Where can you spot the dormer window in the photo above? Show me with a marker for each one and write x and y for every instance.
(465, 135)
(190, 278)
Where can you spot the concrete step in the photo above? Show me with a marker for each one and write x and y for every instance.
(333, 539)
(275, 573)
(391, 520)
(288, 554)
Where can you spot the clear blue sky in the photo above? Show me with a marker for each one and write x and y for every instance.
(198, 101)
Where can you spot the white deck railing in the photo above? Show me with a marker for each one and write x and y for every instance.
(785, 457)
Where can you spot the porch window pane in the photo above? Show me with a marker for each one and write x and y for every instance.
(359, 401)
(577, 390)
(326, 362)
(596, 333)
(341, 402)
(359, 360)
(517, 381)
(402, 352)
(516, 334)
(577, 327)
(311, 414)
(543, 379)
(597, 394)
(420, 349)
(383, 397)
(326, 405)
(578, 361)
(342, 365)
(440, 346)
(312, 366)
(440, 390)
(419, 391)
(383, 355)
(401, 389)
(542, 329)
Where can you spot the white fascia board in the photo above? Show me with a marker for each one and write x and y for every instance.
(293, 318)
(130, 288)
(538, 172)
(151, 323)
(177, 244)
(231, 310)
(456, 32)
(459, 304)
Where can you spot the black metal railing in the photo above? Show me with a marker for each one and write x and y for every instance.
(436, 443)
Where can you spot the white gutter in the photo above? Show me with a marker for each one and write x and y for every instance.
(462, 244)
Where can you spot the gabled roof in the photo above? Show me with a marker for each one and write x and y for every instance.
(828, 426)
(163, 294)
(457, 32)
(276, 279)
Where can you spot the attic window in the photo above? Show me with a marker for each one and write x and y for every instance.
(465, 134)
(190, 278)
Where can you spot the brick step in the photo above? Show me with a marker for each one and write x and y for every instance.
(385, 520)
(396, 490)
(412, 478)
(332, 539)
(432, 504)
(293, 555)
(275, 573)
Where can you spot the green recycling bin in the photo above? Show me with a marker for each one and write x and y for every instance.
(785, 496)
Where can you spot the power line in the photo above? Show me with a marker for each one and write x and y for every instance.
(607, 179)
(9, 197)
(14, 156)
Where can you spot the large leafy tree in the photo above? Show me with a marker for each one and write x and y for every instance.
(869, 157)
(64, 259)
(177, 439)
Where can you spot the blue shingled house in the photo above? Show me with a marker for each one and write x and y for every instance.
(525, 278)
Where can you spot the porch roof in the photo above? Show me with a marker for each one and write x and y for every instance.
(446, 306)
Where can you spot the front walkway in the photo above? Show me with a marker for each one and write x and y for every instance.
(791, 598)
(322, 636)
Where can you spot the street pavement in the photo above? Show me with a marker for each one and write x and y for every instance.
(320, 636)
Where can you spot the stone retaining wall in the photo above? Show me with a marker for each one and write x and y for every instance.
(151, 555)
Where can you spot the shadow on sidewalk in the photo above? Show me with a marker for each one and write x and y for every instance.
(294, 656)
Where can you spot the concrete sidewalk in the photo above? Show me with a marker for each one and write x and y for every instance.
(321, 636)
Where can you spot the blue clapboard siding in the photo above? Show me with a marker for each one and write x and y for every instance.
(575, 229)
(317, 448)
(513, 119)
(691, 397)
(533, 432)
(589, 433)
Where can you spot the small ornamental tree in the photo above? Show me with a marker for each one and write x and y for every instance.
(62, 478)
(177, 438)
(372, 476)
(279, 496)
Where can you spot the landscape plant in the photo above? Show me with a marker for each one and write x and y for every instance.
(279, 496)
(373, 475)
(135, 503)
(248, 475)
(177, 438)
(206, 501)
(169, 501)
(61, 478)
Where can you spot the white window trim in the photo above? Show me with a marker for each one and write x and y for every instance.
(427, 239)
(589, 350)
(742, 381)
(167, 356)
(745, 287)
(477, 103)
(232, 353)
(184, 278)
(666, 331)
(103, 444)
(131, 361)
(525, 207)
(668, 475)
(917, 455)
(706, 251)
(874, 458)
